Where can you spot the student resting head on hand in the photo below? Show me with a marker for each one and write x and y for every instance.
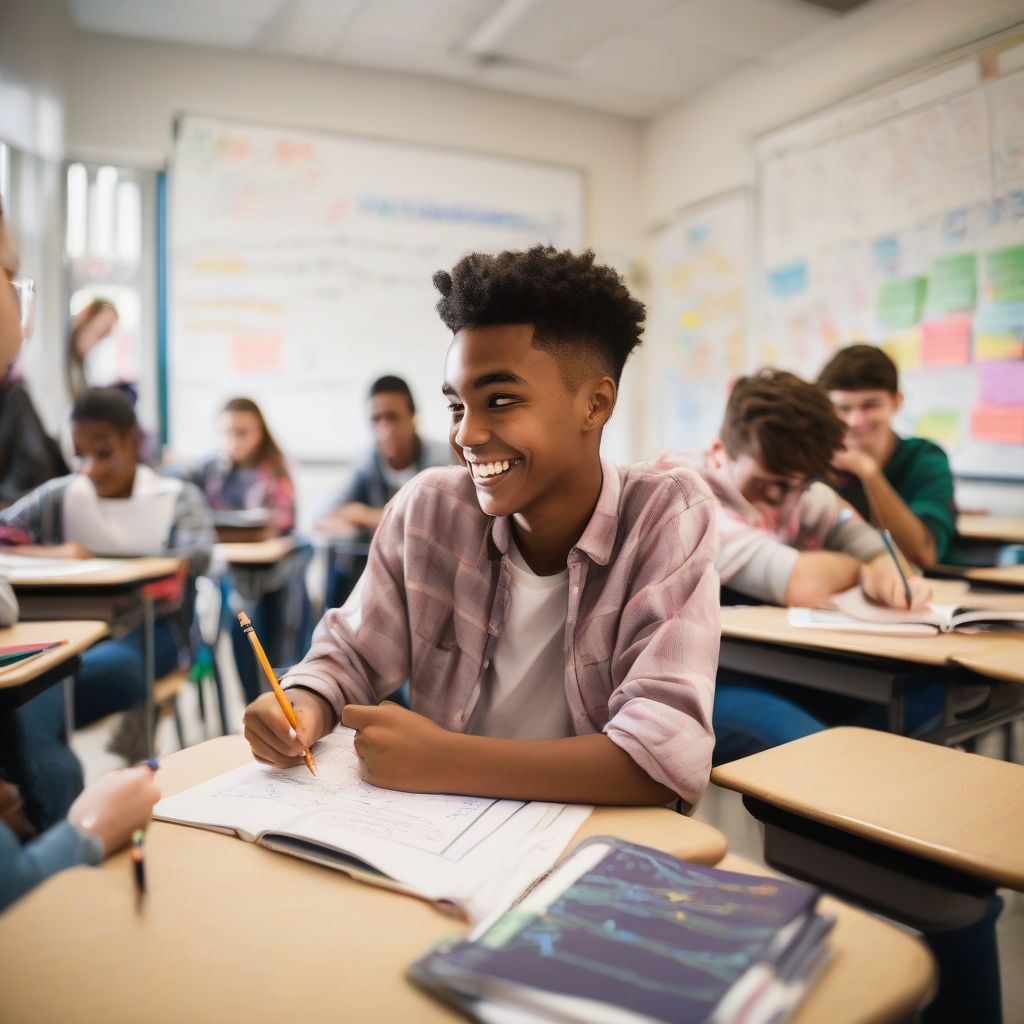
(556, 616)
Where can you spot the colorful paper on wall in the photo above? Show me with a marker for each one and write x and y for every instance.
(946, 341)
(999, 332)
(1000, 424)
(256, 353)
(941, 426)
(952, 284)
(900, 303)
(1005, 274)
(904, 348)
(1001, 383)
(789, 281)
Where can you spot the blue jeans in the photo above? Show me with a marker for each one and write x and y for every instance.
(752, 714)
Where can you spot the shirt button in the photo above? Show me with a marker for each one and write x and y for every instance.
(487, 662)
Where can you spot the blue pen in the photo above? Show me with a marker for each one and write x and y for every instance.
(890, 546)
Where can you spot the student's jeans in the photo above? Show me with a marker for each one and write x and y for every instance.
(110, 678)
(752, 714)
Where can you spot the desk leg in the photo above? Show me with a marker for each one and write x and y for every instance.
(68, 687)
(149, 662)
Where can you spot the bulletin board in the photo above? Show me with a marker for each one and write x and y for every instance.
(699, 289)
(899, 219)
(301, 263)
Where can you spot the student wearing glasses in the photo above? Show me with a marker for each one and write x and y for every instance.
(785, 539)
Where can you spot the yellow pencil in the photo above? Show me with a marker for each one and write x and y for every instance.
(286, 706)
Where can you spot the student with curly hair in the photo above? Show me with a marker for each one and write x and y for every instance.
(556, 616)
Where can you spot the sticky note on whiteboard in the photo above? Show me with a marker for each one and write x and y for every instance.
(1000, 424)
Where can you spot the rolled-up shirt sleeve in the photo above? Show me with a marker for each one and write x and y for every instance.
(666, 654)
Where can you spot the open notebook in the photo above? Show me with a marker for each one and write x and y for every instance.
(475, 853)
(854, 612)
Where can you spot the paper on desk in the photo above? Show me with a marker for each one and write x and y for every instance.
(473, 851)
(25, 567)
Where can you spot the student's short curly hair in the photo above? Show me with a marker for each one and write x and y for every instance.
(787, 424)
(582, 311)
(860, 367)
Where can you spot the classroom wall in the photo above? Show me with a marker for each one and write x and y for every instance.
(703, 147)
(34, 43)
(166, 79)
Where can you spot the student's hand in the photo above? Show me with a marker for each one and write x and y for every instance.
(860, 464)
(397, 748)
(273, 740)
(364, 516)
(113, 808)
(881, 582)
(72, 549)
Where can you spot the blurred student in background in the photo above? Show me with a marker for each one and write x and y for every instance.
(250, 473)
(90, 326)
(103, 817)
(903, 484)
(28, 455)
(398, 454)
(112, 506)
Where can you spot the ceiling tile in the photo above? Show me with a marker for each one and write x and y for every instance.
(306, 28)
(221, 23)
(744, 28)
(431, 22)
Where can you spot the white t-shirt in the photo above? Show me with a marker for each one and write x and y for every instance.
(522, 695)
(139, 525)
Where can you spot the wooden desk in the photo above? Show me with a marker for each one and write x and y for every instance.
(760, 641)
(1000, 575)
(117, 595)
(877, 973)
(941, 805)
(1005, 529)
(24, 679)
(231, 931)
(1000, 658)
(261, 552)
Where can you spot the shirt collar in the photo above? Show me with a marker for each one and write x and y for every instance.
(598, 536)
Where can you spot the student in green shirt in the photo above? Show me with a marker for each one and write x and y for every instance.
(902, 483)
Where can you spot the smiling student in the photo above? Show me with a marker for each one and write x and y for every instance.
(901, 483)
(556, 616)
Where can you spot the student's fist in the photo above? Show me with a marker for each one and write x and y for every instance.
(273, 740)
(860, 464)
(113, 808)
(397, 748)
(882, 583)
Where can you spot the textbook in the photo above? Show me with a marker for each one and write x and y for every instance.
(855, 613)
(473, 855)
(623, 933)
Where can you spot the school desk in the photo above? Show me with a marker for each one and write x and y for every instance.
(758, 640)
(125, 595)
(919, 832)
(1001, 529)
(232, 932)
(23, 680)
(877, 972)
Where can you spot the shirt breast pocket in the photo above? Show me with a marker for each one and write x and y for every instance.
(435, 624)
(595, 639)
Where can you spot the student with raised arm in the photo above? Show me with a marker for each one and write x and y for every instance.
(556, 616)
(785, 539)
(901, 483)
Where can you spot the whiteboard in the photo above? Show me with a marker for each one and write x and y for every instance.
(899, 219)
(300, 270)
(699, 303)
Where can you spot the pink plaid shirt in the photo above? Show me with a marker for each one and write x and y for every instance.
(641, 633)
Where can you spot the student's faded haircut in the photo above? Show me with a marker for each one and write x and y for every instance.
(392, 385)
(582, 311)
(787, 424)
(104, 405)
(860, 368)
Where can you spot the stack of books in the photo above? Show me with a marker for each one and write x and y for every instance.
(623, 933)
